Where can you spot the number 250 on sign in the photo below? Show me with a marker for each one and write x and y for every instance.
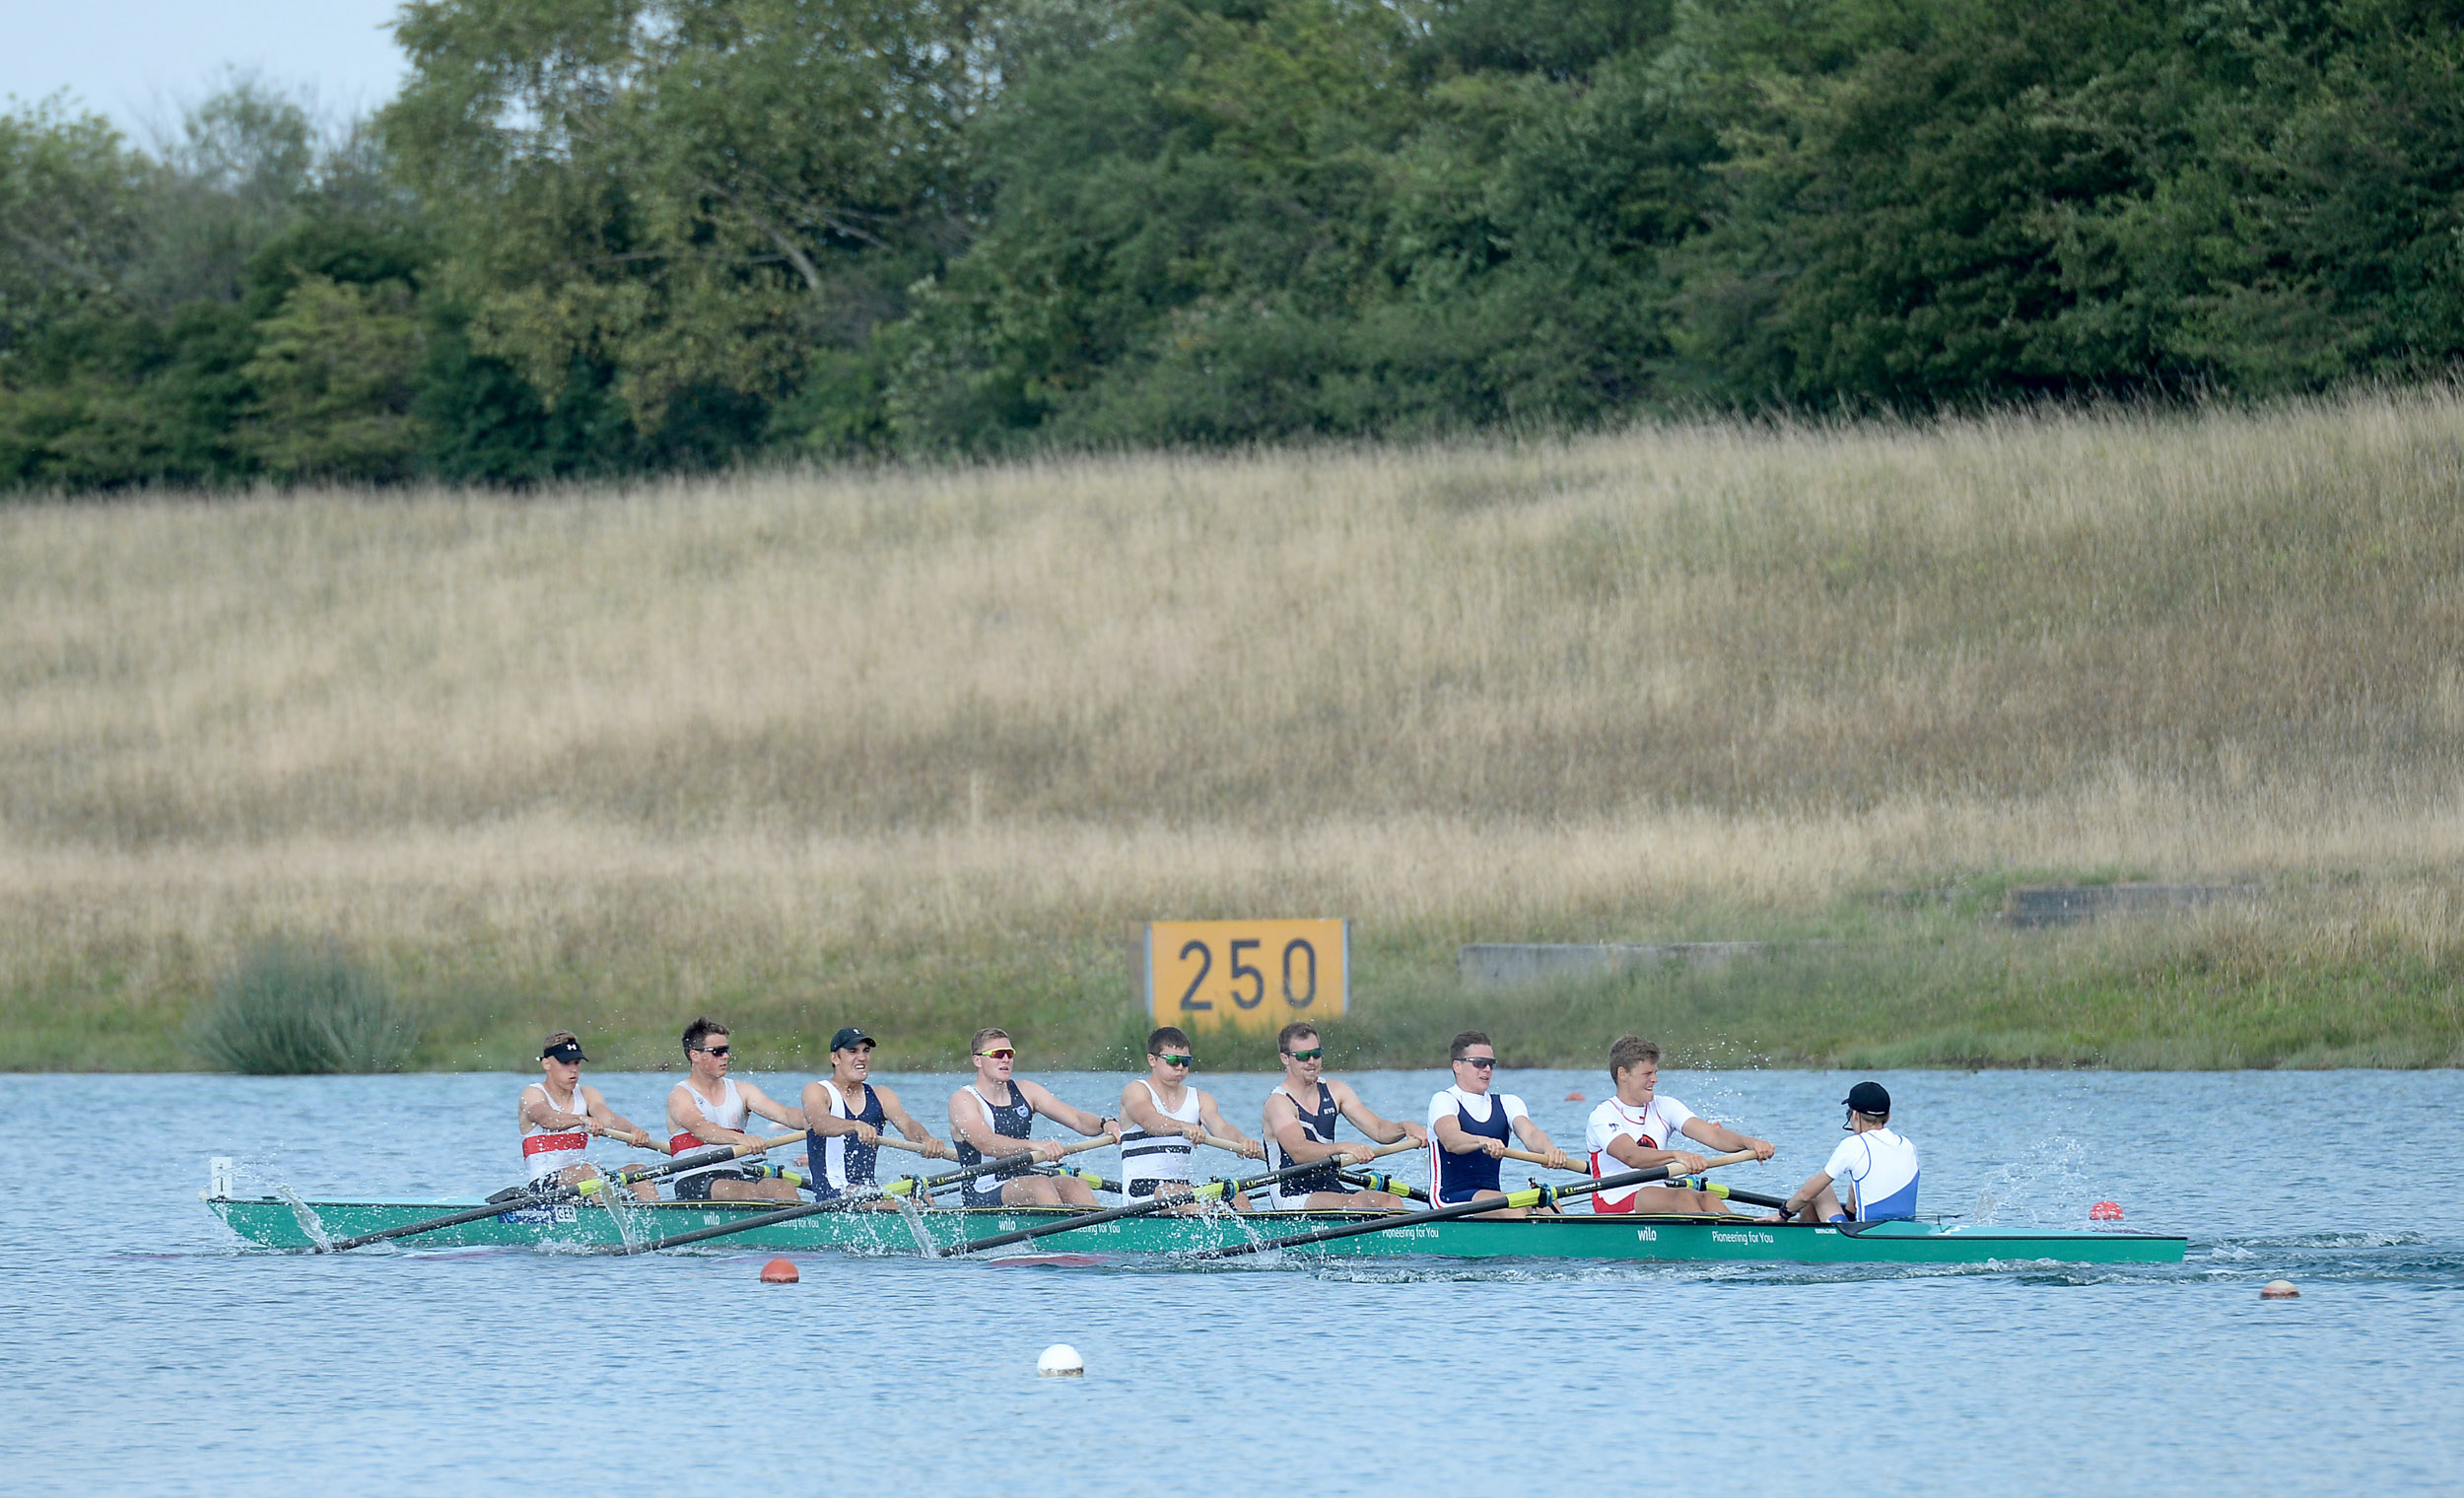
(1246, 974)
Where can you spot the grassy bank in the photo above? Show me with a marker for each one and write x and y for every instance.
(920, 747)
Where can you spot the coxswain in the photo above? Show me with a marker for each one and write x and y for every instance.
(559, 1115)
(1166, 1120)
(989, 1119)
(844, 1116)
(1870, 1177)
(710, 1106)
(1300, 1127)
(1636, 1129)
(1469, 1126)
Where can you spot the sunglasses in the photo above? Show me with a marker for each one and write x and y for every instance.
(1484, 1062)
(1310, 1055)
(1178, 1061)
(1003, 1054)
(711, 1050)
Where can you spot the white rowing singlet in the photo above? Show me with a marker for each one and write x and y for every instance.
(547, 1151)
(728, 1113)
(1157, 1157)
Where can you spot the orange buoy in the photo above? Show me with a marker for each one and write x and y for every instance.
(2105, 1212)
(2279, 1289)
(780, 1271)
(1574, 1097)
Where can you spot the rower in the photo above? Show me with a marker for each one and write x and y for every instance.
(1300, 1127)
(710, 1106)
(558, 1116)
(1168, 1119)
(1469, 1126)
(1870, 1177)
(1634, 1130)
(843, 1115)
(990, 1115)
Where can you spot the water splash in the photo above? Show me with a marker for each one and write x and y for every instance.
(925, 1246)
(2048, 1187)
(616, 1200)
(309, 1222)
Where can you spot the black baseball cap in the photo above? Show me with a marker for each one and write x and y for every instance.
(1870, 1098)
(561, 1045)
(848, 1038)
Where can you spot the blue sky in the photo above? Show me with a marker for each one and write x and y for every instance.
(140, 61)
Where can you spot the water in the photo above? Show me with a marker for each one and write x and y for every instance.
(144, 1351)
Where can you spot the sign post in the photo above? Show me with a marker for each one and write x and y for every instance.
(1248, 975)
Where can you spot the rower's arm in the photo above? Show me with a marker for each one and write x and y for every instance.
(1451, 1139)
(817, 1116)
(1211, 1117)
(965, 1123)
(686, 1117)
(1283, 1126)
(616, 1122)
(1384, 1130)
(1068, 1116)
(1536, 1138)
(1726, 1139)
(762, 1105)
(1137, 1108)
(545, 1114)
(901, 1120)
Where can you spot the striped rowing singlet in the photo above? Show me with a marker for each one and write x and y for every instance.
(1011, 1121)
(548, 1151)
(1317, 1128)
(838, 1159)
(1148, 1157)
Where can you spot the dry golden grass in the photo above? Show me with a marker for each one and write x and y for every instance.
(836, 742)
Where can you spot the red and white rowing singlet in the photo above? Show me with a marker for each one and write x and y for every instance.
(1656, 1124)
(547, 1151)
(728, 1113)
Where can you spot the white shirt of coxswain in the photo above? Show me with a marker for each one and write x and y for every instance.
(728, 1112)
(1157, 1157)
(1883, 1166)
(547, 1151)
(1656, 1124)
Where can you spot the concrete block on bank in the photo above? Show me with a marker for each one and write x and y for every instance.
(1502, 964)
(2072, 903)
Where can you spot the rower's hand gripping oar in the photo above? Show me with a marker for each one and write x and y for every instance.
(1214, 1191)
(904, 1187)
(694, 1159)
(1539, 1195)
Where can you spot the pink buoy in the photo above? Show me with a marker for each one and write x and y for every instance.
(780, 1271)
(2105, 1212)
(1574, 1097)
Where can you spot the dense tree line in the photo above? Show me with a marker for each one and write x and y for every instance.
(614, 235)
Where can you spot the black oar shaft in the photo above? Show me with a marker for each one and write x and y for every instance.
(1215, 1192)
(1536, 1196)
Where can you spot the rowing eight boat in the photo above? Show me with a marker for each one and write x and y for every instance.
(277, 1223)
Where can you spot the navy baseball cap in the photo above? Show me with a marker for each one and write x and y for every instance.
(561, 1045)
(848, 1038)
(1870, 1098)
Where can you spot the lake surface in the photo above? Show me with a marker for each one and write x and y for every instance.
(144, 1349)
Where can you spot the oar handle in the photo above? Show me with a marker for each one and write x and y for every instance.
(1529, 1158)
(924, 1147)
(1236, 1146)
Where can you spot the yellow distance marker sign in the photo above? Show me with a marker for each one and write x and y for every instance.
(1246, 974)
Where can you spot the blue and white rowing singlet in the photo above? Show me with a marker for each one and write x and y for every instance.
(1883, 1168)
(1460, 1177)
(1012, 1120)
(840, 1161)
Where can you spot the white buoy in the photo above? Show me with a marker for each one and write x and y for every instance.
(1061, 1361)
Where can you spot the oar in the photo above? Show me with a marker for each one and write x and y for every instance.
(715, 1154)
(1529, 1158)
(908, 1185)
(1214, 1191)
(935, 1185)
(1539, 1195)
(1730, 1193)
(1378, 1181)
(924, 1147)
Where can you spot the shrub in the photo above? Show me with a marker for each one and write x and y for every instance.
(292, 1008)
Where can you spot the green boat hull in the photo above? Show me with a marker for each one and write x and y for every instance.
(276, 1224)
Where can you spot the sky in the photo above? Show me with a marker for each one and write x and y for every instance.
(143, 62)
